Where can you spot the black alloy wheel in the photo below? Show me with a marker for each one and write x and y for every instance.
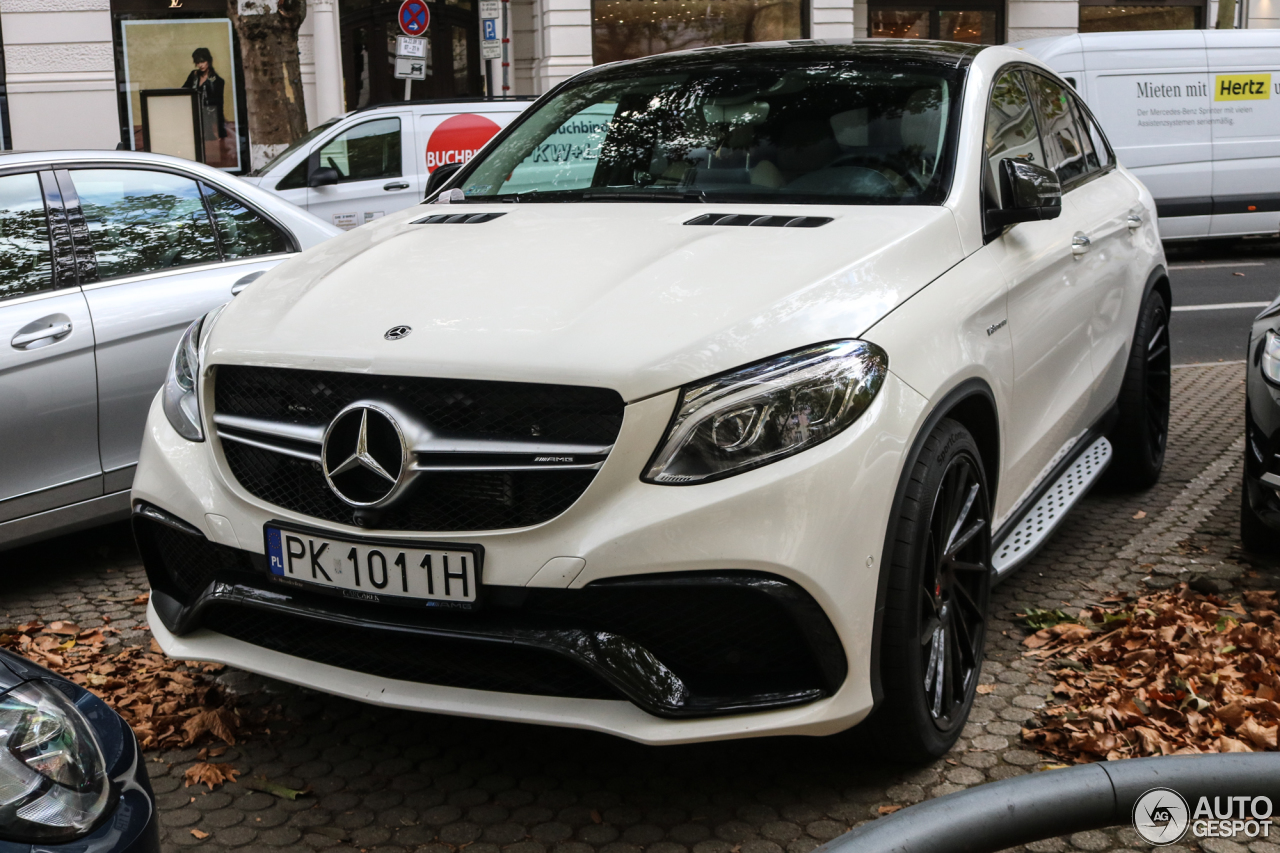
(938, 564)
(1141, 432)
(954, 590)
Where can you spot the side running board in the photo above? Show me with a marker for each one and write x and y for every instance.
(1034, 528)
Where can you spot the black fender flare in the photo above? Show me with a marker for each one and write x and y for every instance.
(969, 388)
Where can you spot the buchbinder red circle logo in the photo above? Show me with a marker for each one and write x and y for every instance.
(457, 139)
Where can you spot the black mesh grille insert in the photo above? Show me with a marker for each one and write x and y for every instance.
(190, 562)
(438, 502)
(407, 656)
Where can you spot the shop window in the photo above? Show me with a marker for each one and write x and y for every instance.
(628, 29)
(461, 67)
(1109, 19)
(242, 232)
(973, 25)
(141, 222)
(24, 237)
(365, 152)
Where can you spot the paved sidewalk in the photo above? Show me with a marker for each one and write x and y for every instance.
(389, 781)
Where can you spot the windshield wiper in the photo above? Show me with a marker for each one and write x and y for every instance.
(605, 195)
(646, 195)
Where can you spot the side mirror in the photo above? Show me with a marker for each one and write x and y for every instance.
(1029, 192)
(324, 176)
(440, 177)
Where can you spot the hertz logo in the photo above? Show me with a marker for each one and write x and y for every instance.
(1242, 87)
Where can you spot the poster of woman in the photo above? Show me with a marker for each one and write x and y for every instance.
(188, 54)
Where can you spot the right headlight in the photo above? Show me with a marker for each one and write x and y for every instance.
(53, 778)
(1271, 357)
(767, 411)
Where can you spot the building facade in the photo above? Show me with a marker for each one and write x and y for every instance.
(76, 73)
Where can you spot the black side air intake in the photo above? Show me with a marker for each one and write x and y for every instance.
(766, 221)
(458, 218)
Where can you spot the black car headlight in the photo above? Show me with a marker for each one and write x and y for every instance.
(1271, 357)
(53, 777)
(767, 411)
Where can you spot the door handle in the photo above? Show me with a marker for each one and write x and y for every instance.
(1134, 221)
(395, 185)
(246, 280)
(55, 331)
(1080, 243)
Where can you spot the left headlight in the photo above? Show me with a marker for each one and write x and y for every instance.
(767, 411)
(182, 384)
(1271, 357)
(53, 778)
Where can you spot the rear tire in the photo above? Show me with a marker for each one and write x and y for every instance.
(1142, 429)
(934, 628)
(1255, 535)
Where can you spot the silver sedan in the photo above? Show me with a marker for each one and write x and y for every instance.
(105, 258)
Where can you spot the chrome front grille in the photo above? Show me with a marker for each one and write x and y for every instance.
(481, 455)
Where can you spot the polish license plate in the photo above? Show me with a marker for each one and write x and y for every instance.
(377, 570)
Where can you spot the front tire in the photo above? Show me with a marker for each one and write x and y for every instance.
(934, 629)
(1142, 430)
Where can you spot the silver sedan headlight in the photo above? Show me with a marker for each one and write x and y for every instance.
(1271, 357)
(767, 411)
(53, 778)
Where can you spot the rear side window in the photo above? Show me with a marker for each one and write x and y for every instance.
(1089, 127)
(1092, 163)
(142, 222)
(1062, 145)
(25, 256)
(365, 152)
(243, 233)
(1011, 130)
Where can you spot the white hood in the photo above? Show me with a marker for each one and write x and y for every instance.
(617, 295)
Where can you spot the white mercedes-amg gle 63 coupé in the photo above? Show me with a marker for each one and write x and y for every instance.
(708, 400)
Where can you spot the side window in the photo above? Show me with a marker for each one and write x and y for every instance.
(141, 222)
(1011, 130)
(365, 152)
(244, 234)
(1106, 157)
(297, 177)
(25, 255)
(1092, 164)
(1057, 124)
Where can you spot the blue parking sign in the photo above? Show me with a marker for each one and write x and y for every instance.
(490, 30)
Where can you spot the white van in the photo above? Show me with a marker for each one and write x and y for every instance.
(1194, 113)
(361, 166)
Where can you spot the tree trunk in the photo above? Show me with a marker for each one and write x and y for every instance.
(1226, 14)
(268, 33)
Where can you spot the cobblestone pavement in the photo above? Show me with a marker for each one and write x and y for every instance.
(389, 781)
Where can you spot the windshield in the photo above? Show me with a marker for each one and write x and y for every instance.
(815, 132)
(295, 145)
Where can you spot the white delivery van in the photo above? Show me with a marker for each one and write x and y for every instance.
(361, 166)
(1194, 113)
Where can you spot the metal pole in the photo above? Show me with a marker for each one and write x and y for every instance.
(408, 85)
(1016, 811)
(506, 60)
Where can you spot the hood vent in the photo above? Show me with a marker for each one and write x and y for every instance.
(458, 218)
(766, 221)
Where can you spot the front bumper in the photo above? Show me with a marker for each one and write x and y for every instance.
(802, 536)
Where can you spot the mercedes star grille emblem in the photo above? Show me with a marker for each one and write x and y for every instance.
(395, 333)
(364, 455)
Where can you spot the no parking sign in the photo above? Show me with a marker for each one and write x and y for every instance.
(414, 17)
